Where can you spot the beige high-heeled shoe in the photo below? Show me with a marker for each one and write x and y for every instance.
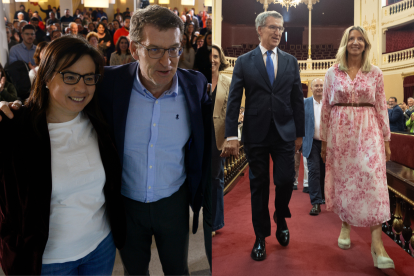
(345, 243)
(382, 262)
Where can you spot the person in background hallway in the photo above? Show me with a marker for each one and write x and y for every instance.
(124, 31)
(122, 54)
(72, 222)
(202, 61)
(311, 147)
(37, 58)
(188, 55)
(22, 10)
(396, 115)
(209, 23)
(10, 42)
(8, 92)
(355, 136)
(409, 108)
(274, 124)
(220, 87)
(24, 51)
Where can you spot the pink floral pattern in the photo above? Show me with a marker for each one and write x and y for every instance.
(355, 181)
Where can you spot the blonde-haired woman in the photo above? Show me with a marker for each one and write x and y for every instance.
(355, 132)
(220, 88)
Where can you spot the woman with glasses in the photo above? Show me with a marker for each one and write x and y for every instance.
(60, 200)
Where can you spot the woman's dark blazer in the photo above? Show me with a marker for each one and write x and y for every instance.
(26, 188)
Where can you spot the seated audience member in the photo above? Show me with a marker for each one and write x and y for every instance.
(116, 25)
(122, 55)
(91, 27)
(40, 35)
(403, 107)
(118, 12)
(110, 28)
(77, 13)
(36, 14)
(395, 115)
(37, 57)
(10, 42)
(75, 227)
(52, 19)
(92, 39)
(105, 39)
(24, 51)
(409, 108)
(126, 14)
(21, 25)
(46, 11)
(73, 28)
(190, 32)
(101, 13)
(209, 25)
(188, 55)
(199, 41)
(410, 123)
(16, 25)
(104, 21)
(189, 19)
(58, 26)
(55, 34)
(82, 31)
(67, 17)
(183, 18)
(67, 31)
(7, 91)
(86, 19)
(124, 31)
(121, 20)
(20, 16)
(57, 12)
(202, 61)
(25, 14)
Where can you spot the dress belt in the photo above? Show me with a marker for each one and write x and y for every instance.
(354, 104)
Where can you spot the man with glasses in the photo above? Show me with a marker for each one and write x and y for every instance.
(161, 118)
(273, 125)
(396, 115)
(24, 51)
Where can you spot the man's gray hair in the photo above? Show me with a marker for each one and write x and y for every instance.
(23, 21)
(20, 13)
(410, 98)
(261, 19)
(72, 23)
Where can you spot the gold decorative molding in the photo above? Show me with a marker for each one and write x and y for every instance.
(394, 20)
(370, 27)
(373, 61)
(398, 67)
(401, 195)
(404, 75)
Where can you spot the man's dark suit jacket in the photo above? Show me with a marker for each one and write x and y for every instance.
(283, 101)
(26, 188)
(396, 116)
(114, 96)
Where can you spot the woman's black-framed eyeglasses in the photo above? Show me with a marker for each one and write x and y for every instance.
(73, 78)
(157, 53)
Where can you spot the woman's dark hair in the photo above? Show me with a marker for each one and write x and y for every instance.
(99, 24)
(188, 43)
(118, 45)
(192, 34)
(59, 55)
(39, 49)
(94, 27)
(223, 62)
(205, 39)
(3, 73)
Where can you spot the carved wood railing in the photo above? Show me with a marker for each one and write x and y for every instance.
(400, 6)
(394, 57)
(400, 180)
(233, 168)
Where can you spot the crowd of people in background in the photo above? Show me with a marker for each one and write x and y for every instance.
(401, 115)
(30, 32)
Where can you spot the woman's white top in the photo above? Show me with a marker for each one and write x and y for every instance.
(188, 61)
(78, 220)
(32, 74)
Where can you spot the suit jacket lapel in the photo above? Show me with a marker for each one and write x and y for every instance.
(259, 63)
(282, 63)
(121, 98)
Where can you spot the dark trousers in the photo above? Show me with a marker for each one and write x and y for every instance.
(168, 221)
(217, 177)
(316, 175)
(282, 154)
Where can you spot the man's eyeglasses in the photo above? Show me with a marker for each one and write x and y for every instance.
(73, 78)
(157, 53)
(274, 28)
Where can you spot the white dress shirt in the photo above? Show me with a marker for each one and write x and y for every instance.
(317, 116)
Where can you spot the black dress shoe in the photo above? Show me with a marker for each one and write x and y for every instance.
(305, 190)
(259, 250)
(282, 233)
(316, 209)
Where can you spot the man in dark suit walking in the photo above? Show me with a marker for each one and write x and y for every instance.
(311, 147)
(273, 125)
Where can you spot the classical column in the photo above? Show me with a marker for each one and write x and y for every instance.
(310, 26)
(217, 18)
(3, 41)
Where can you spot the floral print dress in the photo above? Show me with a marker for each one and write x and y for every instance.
(355, 181)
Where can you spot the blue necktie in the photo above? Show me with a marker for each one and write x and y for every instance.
(270, 67)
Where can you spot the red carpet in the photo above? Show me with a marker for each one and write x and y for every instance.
(313, 248)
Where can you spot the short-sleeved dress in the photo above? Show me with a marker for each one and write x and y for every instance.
(355, 181)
